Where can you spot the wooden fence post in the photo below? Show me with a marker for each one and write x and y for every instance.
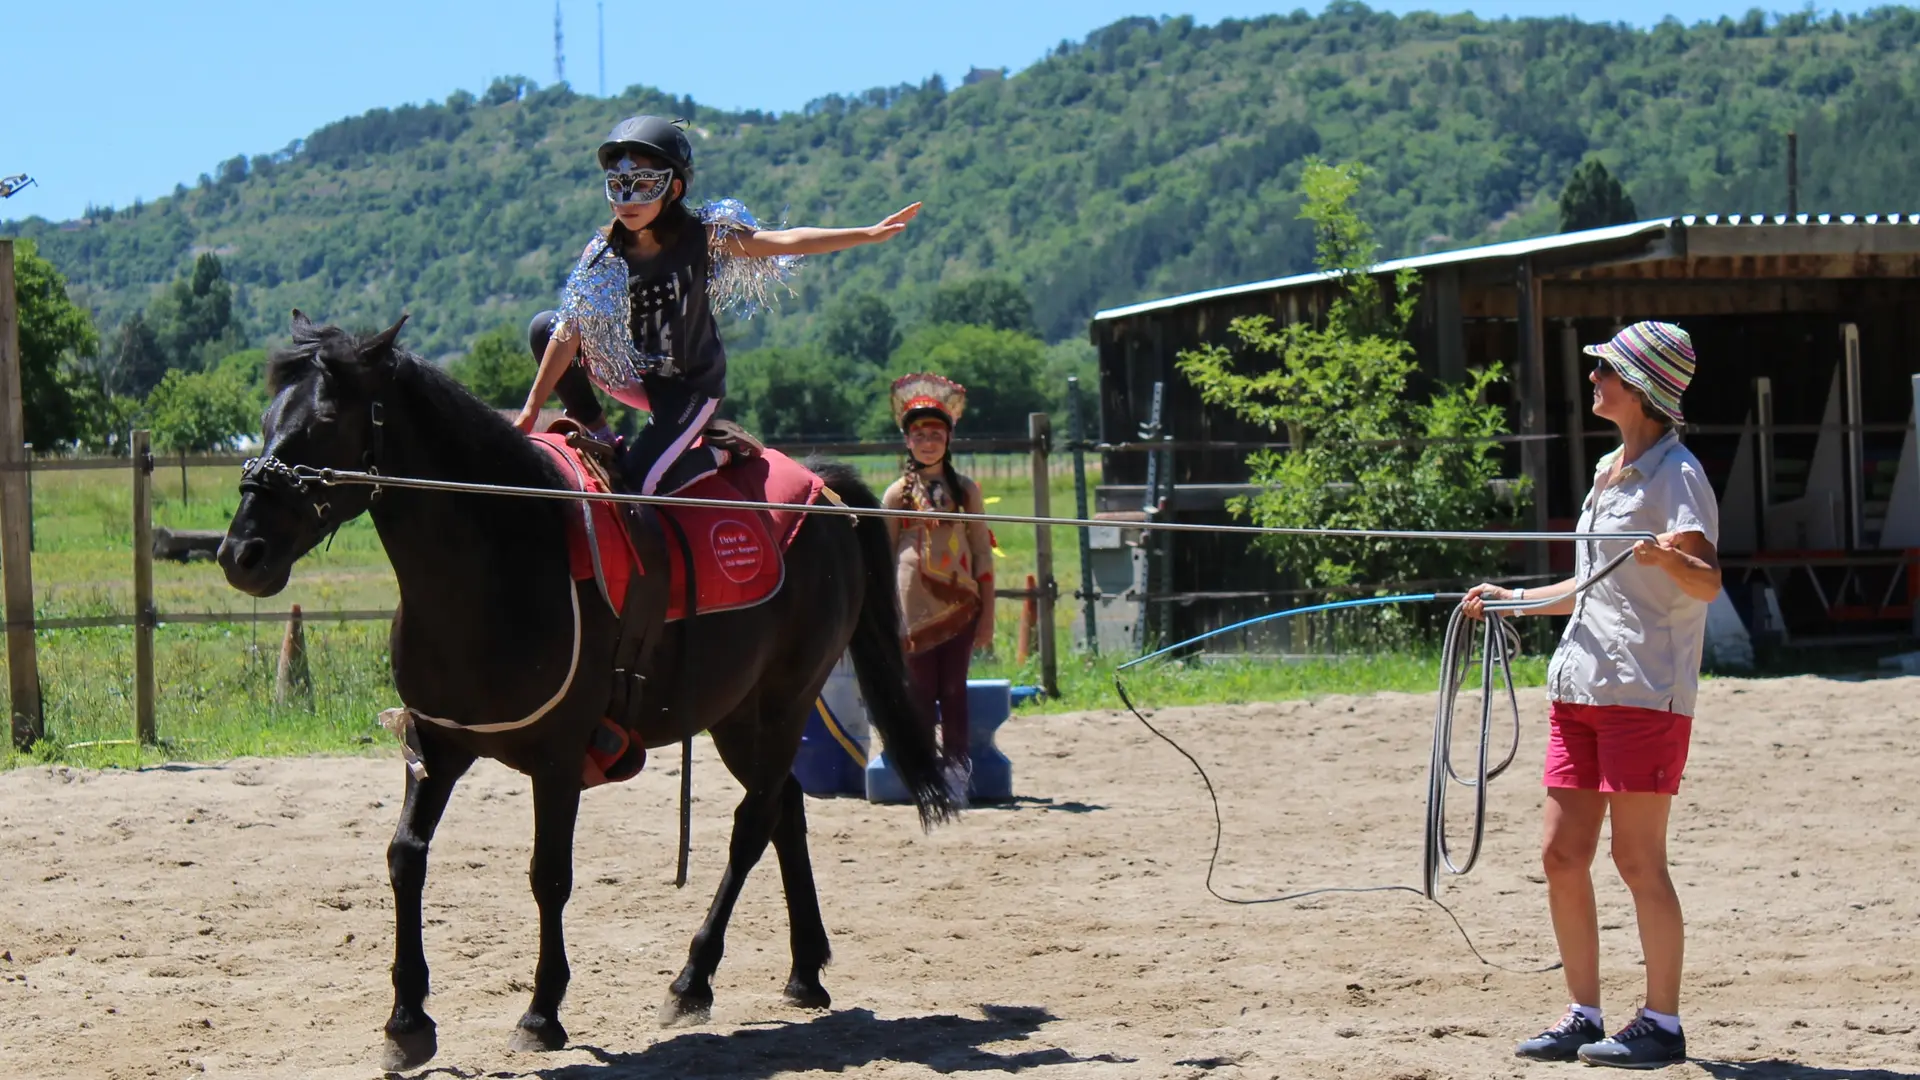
(1040, 431)
(143, 610)
(16, 524)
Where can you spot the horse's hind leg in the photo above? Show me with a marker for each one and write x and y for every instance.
(556, 806)
(738, 740)
(411, 1041)
(806, 932)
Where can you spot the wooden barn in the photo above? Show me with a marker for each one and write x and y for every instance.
(1808, 333)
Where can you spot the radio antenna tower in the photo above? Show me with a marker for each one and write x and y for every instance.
(559, 53)
(600, 25)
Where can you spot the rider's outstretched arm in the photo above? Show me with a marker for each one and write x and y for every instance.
(762, 243)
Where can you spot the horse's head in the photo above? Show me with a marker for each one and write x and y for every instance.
(327, 391)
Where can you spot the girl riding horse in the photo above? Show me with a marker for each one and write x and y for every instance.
(637, 312)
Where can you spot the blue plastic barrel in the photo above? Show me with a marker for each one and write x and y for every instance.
(989, 703)
(833, 746)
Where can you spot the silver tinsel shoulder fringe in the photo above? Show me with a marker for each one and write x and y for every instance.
(736, 283)
(596, 304)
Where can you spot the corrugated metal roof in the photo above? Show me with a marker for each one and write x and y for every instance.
(1514, 249)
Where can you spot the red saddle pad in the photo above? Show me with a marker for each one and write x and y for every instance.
(738, 554)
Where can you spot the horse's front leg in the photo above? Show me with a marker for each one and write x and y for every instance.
(411, 1042)
(556, 805)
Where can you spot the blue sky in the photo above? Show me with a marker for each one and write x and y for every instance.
(109, 100)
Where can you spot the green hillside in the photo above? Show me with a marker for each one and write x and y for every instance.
(1153, 157)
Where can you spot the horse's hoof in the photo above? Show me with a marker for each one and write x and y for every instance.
(409, 1049)
(807, 995)
(534, 1034)
(686, 1008)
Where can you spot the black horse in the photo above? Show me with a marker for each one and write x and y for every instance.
(492, 628)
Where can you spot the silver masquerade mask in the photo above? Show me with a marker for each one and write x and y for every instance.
(628, 184)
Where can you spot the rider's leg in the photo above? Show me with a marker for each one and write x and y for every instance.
(657, 461)
(575, 389)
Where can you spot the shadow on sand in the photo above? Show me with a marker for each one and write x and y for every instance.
(837, 1042)
(1775, 1069)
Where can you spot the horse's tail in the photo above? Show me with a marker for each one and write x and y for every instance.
(879, 654)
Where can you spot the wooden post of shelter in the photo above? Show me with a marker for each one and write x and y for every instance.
(1579, 469)
(1040, 431)
(1077, 431)
(143, 609)
(1531, 375)
(16, 524)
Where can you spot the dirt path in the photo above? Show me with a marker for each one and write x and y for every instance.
(235, 920)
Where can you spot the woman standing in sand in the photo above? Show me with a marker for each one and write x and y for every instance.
(1622, 686)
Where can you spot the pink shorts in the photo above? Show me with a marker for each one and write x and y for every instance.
(1616, 748)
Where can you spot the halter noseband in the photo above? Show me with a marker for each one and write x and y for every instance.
(267, 473)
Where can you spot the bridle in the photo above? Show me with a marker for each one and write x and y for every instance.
(268, 474)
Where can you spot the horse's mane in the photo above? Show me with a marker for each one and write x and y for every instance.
(461, 420)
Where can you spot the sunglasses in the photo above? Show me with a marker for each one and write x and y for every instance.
(638, 187)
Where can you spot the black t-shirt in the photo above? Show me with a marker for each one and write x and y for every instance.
(672, 313)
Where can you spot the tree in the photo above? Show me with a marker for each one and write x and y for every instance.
(193, 320)
(1593, 198)
(55, 336)
(860, 326)
(784, 393)
(991, 300)
(999, 368)
(496, 368)
(1340, 392)
(137, 362)
(199, 412)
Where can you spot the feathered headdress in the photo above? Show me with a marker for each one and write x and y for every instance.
(914, 393)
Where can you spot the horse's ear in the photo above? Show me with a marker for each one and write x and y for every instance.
(300, 321)
(383, 341)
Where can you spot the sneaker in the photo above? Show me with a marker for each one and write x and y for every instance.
(959, 780)
(1642, 1044)
(1562, 1041)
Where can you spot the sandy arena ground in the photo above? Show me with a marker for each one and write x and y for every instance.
(235, 920)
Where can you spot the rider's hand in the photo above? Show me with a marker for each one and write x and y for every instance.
(983, 636)
(527, 418)
(1475, 603)
(894, 223)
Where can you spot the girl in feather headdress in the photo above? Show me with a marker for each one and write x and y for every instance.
(945, 574)
(637, 312)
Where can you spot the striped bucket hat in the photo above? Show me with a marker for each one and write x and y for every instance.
(1655, 358)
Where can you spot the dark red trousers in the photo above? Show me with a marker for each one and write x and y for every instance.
(940, 676)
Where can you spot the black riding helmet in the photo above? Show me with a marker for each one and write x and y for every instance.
(654, 136)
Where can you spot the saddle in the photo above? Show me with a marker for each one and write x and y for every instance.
(655, 566)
